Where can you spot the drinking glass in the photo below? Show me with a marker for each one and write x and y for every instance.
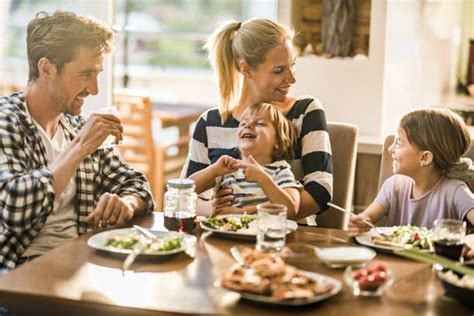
(110, 140)
(448, 237)
(271, 226)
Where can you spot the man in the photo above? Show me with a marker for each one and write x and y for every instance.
(55, 182)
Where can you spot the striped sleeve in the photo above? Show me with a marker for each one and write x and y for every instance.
(316, 154)
(198, 157)
(285, 178)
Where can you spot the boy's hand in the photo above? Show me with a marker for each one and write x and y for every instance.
(225, 164)
(357, 226)
(253, 172)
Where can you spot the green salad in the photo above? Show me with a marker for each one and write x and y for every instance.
(130, 241)
(409, 236)
(229, 223)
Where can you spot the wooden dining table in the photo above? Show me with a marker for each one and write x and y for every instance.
(75, 279)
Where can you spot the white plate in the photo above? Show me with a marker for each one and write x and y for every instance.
(98, 240)
(250, 232)
(366, 239)
(337, 257)
(269, 300)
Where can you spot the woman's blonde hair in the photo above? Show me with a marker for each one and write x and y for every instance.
(286, 133)
(445, 135)
(232, 42)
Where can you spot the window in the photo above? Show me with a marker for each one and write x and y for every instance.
(159, 43)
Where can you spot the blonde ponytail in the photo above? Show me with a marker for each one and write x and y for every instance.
(221, 57)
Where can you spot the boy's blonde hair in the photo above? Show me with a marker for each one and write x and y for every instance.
(234, 41)
(286, 133)
(445, 135)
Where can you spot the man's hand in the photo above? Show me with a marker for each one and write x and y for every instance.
(253, 172)
(96, 130)
(112, 210)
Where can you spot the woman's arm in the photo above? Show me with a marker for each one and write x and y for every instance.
(316, 158)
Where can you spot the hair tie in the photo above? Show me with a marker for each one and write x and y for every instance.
(238, 26)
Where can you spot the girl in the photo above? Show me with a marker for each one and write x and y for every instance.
(430, 175)
(255, 62)
(265, 139)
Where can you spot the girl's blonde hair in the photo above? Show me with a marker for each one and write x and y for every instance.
(445, 135)
(234, 41)
(286, 133)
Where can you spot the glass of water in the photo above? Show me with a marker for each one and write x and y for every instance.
(110, 140)
(271, 227)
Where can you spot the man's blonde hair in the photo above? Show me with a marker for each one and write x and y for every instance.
(232, 42)
(285, 132)
(58, 36)
(445, 135)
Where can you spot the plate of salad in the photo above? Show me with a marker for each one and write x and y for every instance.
(238, 225)
(396, 237)
(125, 240)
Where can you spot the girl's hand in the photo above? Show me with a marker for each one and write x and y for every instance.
(253, 171)
(357, 226)
(468, 251)
(226, 164)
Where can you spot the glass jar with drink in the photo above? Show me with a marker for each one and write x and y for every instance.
(448, 237)
(180, 205)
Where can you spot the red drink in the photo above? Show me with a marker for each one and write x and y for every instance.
(180, 221)
(449, 248)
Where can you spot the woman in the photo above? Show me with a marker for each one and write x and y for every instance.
(254, 62)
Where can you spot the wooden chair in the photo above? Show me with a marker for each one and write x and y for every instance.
(344, 139)
(137, 147)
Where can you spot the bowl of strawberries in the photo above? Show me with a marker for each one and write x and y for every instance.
(372, 280)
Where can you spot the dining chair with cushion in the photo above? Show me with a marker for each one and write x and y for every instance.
(343, 139)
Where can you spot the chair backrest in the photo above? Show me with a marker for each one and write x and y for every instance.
(137, 147)
(344, 138)
(386, 169)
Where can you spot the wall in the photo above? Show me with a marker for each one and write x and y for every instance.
(420, 56)
(350, 89)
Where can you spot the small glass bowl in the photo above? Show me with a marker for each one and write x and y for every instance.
(367, 286)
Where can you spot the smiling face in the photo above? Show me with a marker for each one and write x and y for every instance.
(256, 136)
(77, 79)
(406, 157)
(271, 80)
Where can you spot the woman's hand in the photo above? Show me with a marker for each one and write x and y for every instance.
(223, 198)
(228, 210)
(357, 225)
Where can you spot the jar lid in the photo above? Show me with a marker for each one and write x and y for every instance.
(181, 183)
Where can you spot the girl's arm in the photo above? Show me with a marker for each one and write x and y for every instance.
(470, 216)
(373, 214)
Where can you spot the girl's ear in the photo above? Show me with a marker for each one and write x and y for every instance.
(426, 158)
(245, 69)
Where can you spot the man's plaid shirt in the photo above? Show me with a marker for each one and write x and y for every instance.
(26, 189)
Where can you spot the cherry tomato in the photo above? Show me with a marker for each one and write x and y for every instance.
(360, 273)
(368, 283)
(378, 266)
(380, 276)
